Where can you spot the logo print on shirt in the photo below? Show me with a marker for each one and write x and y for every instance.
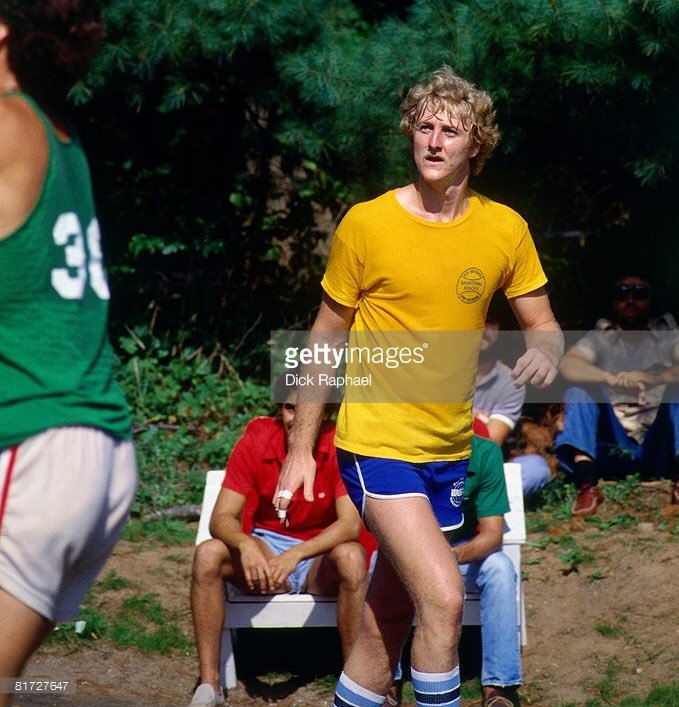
(471, 285)
(456, 493)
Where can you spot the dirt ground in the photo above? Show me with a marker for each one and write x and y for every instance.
(600, 609)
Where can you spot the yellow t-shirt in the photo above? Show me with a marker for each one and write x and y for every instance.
(405, 274)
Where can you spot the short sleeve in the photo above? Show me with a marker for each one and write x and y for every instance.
(526, 274)
(344, 271)
(508, 405)
(491, 498)
(239, 468)
(587, 346)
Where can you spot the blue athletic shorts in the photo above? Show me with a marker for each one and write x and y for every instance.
(442, 483)
(279, 544)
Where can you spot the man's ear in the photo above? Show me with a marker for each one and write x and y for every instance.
(4, 30)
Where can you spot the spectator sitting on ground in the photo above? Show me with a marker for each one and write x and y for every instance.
(498, 403)
(316, 552)
(614, 421)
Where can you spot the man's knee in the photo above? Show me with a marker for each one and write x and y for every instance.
(497, 569)
(443, 606)
(211, 561)
(349, 558)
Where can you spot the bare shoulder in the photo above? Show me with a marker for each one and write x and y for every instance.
(24, 153)
(20, 128)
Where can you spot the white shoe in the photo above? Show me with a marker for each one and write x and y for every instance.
(206, 696)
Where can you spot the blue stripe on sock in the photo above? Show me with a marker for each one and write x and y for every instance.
(339, 702)
(346, 697)
(438, 698)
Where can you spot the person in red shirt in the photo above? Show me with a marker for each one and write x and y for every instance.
(316, 552)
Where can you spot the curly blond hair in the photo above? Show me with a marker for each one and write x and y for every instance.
(446, 91)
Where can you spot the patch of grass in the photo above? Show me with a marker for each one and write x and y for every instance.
(179, 559)
(275, 678)
(471, 689)
(596, 575)
(96, 626)
(663, 696)
(609, 686)
(536, 523)
(113, 582)
(408, 693)
(608, 631)
(327, 683)
(574, 555)
(144, 623)
(163, 531)
(622, 520)
(622, 491)
(140, 621)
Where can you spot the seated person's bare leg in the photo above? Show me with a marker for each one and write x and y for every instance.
(22, 631)
(342, 572)
(212, 566)
(428, 576)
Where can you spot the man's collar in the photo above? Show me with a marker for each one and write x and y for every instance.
(664, 322)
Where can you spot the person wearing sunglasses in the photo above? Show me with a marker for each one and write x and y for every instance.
(622, 415)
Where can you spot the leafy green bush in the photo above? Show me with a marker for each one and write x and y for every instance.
(188, 407)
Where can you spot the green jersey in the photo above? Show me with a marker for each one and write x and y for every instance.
(485, 489)
(55, 356)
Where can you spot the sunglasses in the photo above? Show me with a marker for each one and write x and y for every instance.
(624, 292)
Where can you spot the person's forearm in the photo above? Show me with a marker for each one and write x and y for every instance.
(477, 549)
(548, 338)
(341, 531)
(308, 418)
(229, 530)
(578, 370)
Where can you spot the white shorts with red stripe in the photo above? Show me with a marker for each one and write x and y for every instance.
(64, 498)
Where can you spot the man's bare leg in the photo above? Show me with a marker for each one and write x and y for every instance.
(412, 543)
(342, 572)
(22, 631)
(212, 566)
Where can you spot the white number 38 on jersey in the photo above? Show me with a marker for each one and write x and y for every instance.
(70, 282)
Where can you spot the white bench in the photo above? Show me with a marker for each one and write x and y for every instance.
(302, 610)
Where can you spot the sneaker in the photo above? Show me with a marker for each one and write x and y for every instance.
(587, 501)
(497, 698)
(395, 694)
(498, 701)
(206, 696)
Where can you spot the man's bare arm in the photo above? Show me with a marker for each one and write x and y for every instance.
(544, 340)
(498, 430)
(299, 467)
(485, 542)
(577, 368)
(225, 525)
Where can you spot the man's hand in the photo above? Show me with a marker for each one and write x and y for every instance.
(282, 566)
(534, 367)
(298, 471)
(633, 379)
(256, 568)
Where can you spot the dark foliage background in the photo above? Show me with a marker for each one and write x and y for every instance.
(227, 137)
